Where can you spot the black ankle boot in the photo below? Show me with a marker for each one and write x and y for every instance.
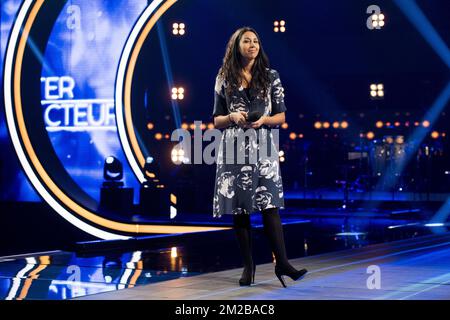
(294, 274)
(248, 276)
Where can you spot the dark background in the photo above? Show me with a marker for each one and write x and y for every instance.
(327, 60)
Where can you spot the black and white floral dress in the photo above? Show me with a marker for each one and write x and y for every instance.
(249, 186)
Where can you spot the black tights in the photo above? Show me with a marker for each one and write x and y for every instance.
(273, 230)
(243, 229)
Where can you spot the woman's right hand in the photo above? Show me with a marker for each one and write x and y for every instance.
(240, 118)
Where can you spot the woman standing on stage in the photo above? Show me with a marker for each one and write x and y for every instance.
(249, 96)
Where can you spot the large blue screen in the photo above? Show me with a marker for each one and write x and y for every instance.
(77, 91)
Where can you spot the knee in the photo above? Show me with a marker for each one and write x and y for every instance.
(270, 211)
(241, 221)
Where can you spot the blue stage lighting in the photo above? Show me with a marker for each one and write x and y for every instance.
(113, 169)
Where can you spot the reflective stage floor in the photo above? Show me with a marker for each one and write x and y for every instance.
(348, 255)
(408, 269)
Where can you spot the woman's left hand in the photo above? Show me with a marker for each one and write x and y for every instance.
(258, 123)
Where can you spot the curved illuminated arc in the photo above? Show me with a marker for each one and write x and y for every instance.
(123, 88)
(15, 33)
(45, 178)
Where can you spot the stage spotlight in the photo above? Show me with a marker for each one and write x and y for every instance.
(389, 140)
(335, 124)
(397, 124)
(177, 93)
(300, 136)
(379, 124)
(210, 125)
(178, 156)
(114, 197)
(112, 172)
(344, 124)
(377, 90)
(182, 30)
(381, 20)
(150, 126)
(399, 139)
(151, 169)
(276, 27)
(179, 29)
(158, 136)
(373, 90)
(370, 135)
(380, 89)
(184, 126)
(318, 125)
(326, 125)
(284, 125)
(153, 197)
(376, 20)
(292, 136)
(435, 134)
(282, 156)
(426, 123)
(282, 26)
(173, 252)
(279, 26)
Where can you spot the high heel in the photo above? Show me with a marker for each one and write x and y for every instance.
(294, 275)
(280, 277)
(244, 281)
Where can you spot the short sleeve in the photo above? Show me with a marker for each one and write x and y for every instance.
(220, 103)
(277, 94)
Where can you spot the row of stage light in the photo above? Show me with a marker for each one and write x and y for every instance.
(375, 21)
(371, 135)
(317, 125)
(179, 28)
(376, 92)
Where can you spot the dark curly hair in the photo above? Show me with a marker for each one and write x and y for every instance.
(232, 65)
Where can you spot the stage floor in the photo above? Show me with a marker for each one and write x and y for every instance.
(409, 269)
(414, 268)
(337, 247)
